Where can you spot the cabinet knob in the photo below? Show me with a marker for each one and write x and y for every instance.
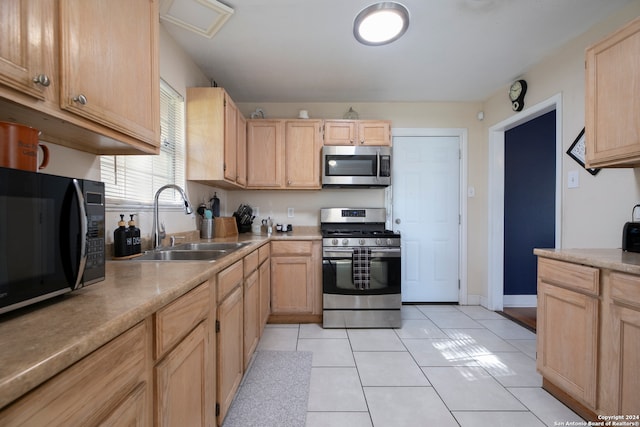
(42, 80)
(362, 141)
(81, 99)
(351, 141)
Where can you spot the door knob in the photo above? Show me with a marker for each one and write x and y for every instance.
(397, 220)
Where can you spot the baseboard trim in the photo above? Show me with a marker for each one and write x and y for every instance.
(520, 301)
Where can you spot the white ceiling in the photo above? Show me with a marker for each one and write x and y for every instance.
(454, 50)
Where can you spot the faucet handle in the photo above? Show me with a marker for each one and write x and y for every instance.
(162, 234)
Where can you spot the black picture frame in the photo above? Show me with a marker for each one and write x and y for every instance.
(577, 152)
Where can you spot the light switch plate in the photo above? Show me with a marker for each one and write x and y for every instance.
(290, 212)
(573, 179)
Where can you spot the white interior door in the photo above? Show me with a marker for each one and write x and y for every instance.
(426, 211)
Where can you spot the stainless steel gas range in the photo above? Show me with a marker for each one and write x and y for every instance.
(360, 269)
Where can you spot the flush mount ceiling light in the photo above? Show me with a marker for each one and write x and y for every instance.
(381, 23)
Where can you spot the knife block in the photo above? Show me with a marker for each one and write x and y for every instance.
(225, 227)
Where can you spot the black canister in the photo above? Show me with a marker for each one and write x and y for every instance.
(215, 205)
(134, 234)
(120, 248)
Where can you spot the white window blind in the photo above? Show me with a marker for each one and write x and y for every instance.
(134, 179)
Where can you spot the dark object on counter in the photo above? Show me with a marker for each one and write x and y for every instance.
(631, 237)
(244, 217)
(52, 236)
(631, 234)
(215, 205)
(120, 247)
(133, 238)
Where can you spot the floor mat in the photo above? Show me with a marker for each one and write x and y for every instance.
(274, 392)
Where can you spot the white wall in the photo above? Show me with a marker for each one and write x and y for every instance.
(593, 214)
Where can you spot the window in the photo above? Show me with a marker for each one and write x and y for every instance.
(134, 179)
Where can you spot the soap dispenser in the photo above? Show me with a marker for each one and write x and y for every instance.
(120, 248)
(134, 233)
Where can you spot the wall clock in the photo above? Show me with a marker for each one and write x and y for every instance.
(517, 92)
(577, 152)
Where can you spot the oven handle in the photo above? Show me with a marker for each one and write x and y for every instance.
(378, 162)
(348, 253)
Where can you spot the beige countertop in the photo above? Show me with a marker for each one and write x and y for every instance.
(612, 259)
(39, 341)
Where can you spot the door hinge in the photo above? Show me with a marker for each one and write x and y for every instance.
(458, 283)
(459, 154)
(459, 219)
(224, 102)
(217, 409)
(217, 326)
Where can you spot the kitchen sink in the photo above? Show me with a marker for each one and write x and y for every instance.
(192, 252)
(209, 246)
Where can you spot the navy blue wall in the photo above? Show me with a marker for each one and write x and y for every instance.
(529, 200)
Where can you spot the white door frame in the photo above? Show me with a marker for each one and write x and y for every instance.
(462, 235)
(495, 280)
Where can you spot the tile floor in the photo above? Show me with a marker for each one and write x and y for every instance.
(447, 366)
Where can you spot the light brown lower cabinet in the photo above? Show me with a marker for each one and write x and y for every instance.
(184, 373)
(251, 306)
(108, 387)
(229, 337)
(264, 270)
(588, 337)
(296, 283)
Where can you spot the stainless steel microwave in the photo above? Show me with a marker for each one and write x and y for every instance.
(52, 236)
(356, 166)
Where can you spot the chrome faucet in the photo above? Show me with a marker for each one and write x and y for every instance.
(158, 229)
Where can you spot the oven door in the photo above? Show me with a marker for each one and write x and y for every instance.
(337, 272)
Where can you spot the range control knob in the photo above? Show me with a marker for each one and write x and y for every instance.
(378, 242)
(345, 241)
(334, 242)
(389, 242)
(362, 242)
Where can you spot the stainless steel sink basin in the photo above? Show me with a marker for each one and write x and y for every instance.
(208, 246)
(192, 252)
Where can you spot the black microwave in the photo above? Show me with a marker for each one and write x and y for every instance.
(52, 236)
(356, 166)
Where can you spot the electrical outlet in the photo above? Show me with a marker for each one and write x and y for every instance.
(290, 212)
(256, 211)
(573, 180)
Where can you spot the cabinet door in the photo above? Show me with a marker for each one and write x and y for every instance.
(374, 132)
(230, 140)
(241, 151)
(612, 128)
(290, 290)
(567, 331)
(230, 357)
(251, 315)
(182, 386)
(303, 146)
(264, 153)
(22, 30)
(340, 132)
(621, 347)
(109, 64)
(265, 293)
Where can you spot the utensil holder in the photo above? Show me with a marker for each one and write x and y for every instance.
(206, 229)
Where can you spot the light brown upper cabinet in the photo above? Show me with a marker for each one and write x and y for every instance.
(284, 154)
(22, 46)
(216, 138)
(302, 151)
(84, 73)
(357, 132)
(612, 128)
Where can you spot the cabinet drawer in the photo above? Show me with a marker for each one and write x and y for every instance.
(177, 319)
(250, 263)
(228, 279)
(571, 276)
(263, 253)
(625, 289)
(89, 390)
(297, 247)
